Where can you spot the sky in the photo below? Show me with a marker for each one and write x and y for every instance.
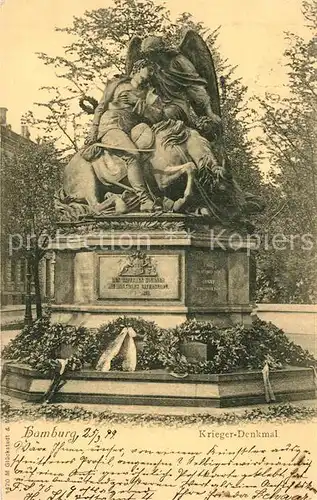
(251, 36)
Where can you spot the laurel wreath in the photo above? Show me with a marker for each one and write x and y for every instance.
(90, 107)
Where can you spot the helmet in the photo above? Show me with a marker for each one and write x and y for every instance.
(152, 44)
(142, 136)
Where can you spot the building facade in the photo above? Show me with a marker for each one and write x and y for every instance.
(13, 267)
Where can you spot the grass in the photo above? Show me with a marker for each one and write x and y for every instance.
(278, 413)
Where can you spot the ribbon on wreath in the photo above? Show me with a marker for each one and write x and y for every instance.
(123, 344)
(62, 366)
(269, 394)
(314, 375)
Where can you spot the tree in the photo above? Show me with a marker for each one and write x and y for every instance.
(97, 51)
(290, 131)
(30, 178)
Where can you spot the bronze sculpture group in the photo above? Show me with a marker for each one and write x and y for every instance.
(152, 142)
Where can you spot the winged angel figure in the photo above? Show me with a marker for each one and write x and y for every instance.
(184, 78)
(153, 127)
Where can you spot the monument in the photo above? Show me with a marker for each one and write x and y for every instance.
(152, 222)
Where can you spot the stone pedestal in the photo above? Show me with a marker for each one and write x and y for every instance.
(160, 388)
(164, 268)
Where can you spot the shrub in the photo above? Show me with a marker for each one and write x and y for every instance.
(279, 413)
(264, 339)
(39, 344)
(242, 347)
(229, 349)
(156, 341)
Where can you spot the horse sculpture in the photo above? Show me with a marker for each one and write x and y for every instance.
(176, 151)
(171, 149)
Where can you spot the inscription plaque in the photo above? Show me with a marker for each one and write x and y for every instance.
(139, 275)
(208, 278)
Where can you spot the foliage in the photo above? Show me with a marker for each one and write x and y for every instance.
(229, 349)
(278, 413)
(289, 274)
(30, 176)
(97, 50)
(242, 348)
(39, 345)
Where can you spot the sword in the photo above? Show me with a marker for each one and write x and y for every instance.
(136, 150)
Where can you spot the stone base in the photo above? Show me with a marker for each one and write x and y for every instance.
(91, 316)
(166, 268)
(161, 388)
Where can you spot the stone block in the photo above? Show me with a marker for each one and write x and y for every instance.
(64, 278)
(171, 270)
(238, 278)
(139, 275)
(207, 278)
(65, 351)
(195, 352)
(84, 277)
(161, 388)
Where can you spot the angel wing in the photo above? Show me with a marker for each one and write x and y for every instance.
(133, 54)
(197, 51)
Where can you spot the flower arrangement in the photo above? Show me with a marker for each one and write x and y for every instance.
(39, 345)
(229, 349)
